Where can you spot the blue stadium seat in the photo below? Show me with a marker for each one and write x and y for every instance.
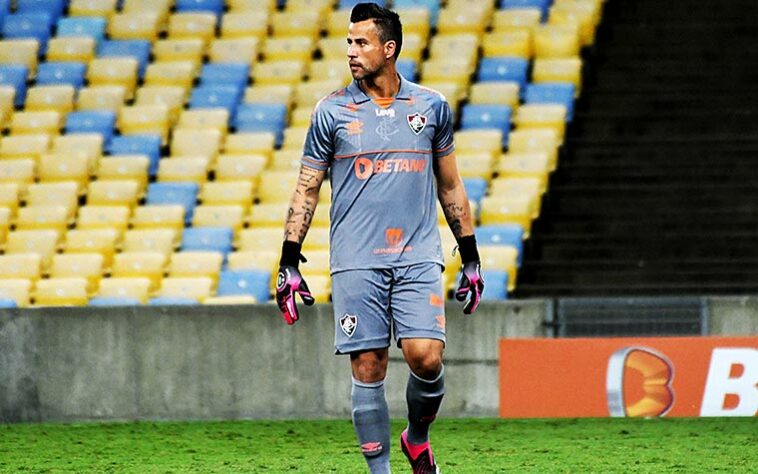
(215, 96)
(552, 93)
(542, 5)
(233, 74)
(213, 239)
(503, 69)
(8, 303)
(213, 6)
(138, 49)
(502, 234)
(15, 75)
(496, 285)
(171, 301)
(261, 118)
(5, 10)
(82, 26)
(407, 68)
(255, 283)
(148, 145)
(343, 4)
(54, 8)
(476, 188)
(49, 73)
(28, 25)
(184, 193)
(432, 5)
(114, 301)
(487, 116)
(92, 121)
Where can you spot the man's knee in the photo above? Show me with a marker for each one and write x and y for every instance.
(424, 357)
(369, 366)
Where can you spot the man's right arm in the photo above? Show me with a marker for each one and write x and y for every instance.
(303, 204)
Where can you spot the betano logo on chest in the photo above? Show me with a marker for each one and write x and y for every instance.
(365, 167)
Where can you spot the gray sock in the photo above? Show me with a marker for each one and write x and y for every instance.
(424, 398)
(371, 419)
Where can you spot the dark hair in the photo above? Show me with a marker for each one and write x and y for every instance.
(386, 21)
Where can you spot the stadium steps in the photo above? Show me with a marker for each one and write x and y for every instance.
(654, 193)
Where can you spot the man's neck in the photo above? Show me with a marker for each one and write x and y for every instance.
(384, 86)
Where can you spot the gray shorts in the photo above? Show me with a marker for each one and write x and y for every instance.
(370, 306)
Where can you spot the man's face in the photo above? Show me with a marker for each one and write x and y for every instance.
(366, 53)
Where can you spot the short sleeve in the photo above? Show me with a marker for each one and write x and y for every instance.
(443, 143)
(319, 145)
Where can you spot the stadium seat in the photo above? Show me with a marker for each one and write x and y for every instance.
(125, 289)
(260, 143)
(213, 239)
(50, 73)
(9, 198)
(508, 43)
(234, 50)
(190, 50)
(290, 72)
(109, 301)
(92, 121)
(203, 143)
(82, 26)
(24, 123)
(138, 49)
(508, 210)
(261, 238)
(84, 265)
(276, 186)
(495, 93)
(101, 241)
(21, 52)
(415, 21)
(184, 194)
(433, 6)
(476, 188)
(101, 98)
(503, 69)
(541, 5)
(245, 24)
(113, 193)
(329, 69)
(236, 192)
(62, 193)
(557, 41)
(25, 266)
(496, 287)
(144, 26)
(474, 18)
(539, 116)
(43, 242)
(144, 120)
(219, 215)
(19, 172)
(232, 74)
(71, 48)
(476, 116)
(262, 118)
(160, 8)
(15, 76)
(171, 73)
(270, 94)
(184, 169)
(266, 260)
(114, 71)
(536, 140)
(502, 234)
(192, 288)
(24, 146)
(522, 165)
(61, 167)
(205, 119)
(140, 144)
(255, 283)
(552, 93)
(124, 167)
(299, 48)
(92, 8)
(172, 97)
(500, 257)
(149, 240)
(61, 292)
(16, 290)
(56, 98)
(215, 96)
(558, 70)
(196, 25)
(213, 6)
(196, 264)
(515, 19)
(159, 216)
(103, 217)
(144, 264)
(42, 218)
(28, 26)
(268, 214)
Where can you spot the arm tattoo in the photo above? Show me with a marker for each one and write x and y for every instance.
(454, 214)
(301, 211)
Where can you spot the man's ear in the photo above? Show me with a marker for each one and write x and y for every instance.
(389, 48)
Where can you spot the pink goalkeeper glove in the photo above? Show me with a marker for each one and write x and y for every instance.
(471, 282)
(288, 282)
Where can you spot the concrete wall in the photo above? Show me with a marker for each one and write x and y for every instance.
(215, 362)
(736, 316)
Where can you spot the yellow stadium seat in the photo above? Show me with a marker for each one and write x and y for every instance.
(42, 218)
(21, 172)
(454, 92)
(7, 99)
(56, 167)
(453, 69)
(335, 48)
(317, 239)
(196, 264)
(294, 138)
(61, 292)
(201, 119)
(267, 260)
(171, 73)
(119, 192)
(9, 197)
(584, 15)
(205, 143)
(475, 164)
(509, 186)
(103, 8)
(337, 21)
(239, 193)
(286, 160)
(172, 97)
(224, 215)
(301, 116)
(245, 24)
(230, 300)
(142, 119)
(32, 123)
(163, 216)
(320, 287)
(478, 141)
(240, 167)
(114, 71)
(251, 5)
(556, 41)
(542, 116)
(84, 265)
(137, 287)
(5, 224)
(185, 168)
(30, 146)
(533, 164)
(63, 193)
(320, 6)
(134, 26)
(309, 93)
(16, 289)
(500, 257)
(103, 217)
(415, 21)
(321, 216)
(468, 20)
(518, 43)
(270, 94)
(20, 51)
(295, 23)
(145, 264)
(558, 70)
(199, 25)
(71, 48)
(261, 238)
(234, 50)
(161, 8)
(125, 167)
(43, 242)
(286, 71)
(244, 143)
(88, 145)
(536, 139)
(109, 98)
(330, 69)
(85, 241)
(299, 48)
(21, 265)
(195, 288)
(184, 49)
(516, 19)
(149, 240)
(317, 264)
(276, 186)
(457, 45)
(502, 210)
(268, 214)
(499, 93)
(413, 47)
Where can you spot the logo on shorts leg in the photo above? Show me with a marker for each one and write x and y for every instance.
(348, 323)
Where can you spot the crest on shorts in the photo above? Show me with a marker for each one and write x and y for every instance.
(348, 323)
(417, 122)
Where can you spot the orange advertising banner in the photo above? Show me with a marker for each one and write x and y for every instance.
(598, 377)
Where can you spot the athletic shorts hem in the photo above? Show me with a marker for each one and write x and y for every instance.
(418, 334)
(364, 345)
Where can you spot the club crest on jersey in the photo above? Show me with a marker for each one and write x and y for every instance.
(417, 122)
(348, 323)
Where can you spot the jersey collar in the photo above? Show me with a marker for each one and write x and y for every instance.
(360, 97)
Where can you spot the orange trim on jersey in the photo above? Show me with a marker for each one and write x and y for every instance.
(371, 152)
(384, 102)
(311, 160)
(444, 149)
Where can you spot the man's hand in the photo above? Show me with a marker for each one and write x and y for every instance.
(471, 282)
(288, 282)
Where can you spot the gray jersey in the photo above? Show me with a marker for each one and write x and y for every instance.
(381, 155)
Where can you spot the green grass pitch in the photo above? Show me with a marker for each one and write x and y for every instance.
(461, 446)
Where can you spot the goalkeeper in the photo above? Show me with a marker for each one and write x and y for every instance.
(388, 146)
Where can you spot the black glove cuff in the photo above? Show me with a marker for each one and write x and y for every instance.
(467, 248)
(290, 253)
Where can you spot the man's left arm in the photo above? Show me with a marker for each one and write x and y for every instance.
(455, 205)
